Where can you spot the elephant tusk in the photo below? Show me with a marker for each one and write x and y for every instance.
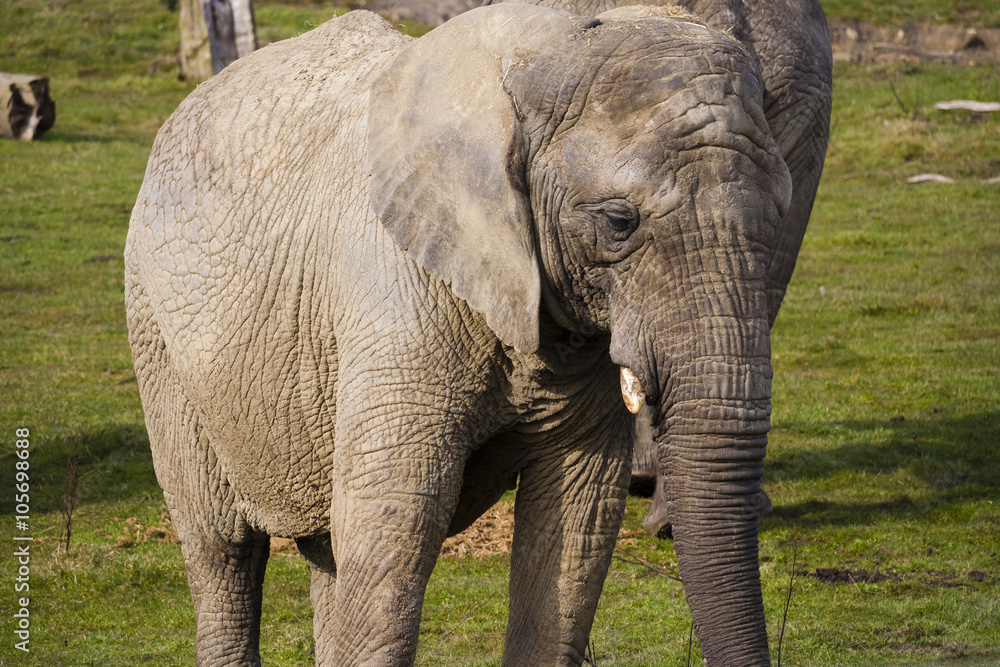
(632, 391)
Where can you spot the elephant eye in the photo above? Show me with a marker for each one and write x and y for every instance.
(620, 218)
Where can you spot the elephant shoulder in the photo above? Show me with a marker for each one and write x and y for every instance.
(242, 171)
(287, 90)
(287, 113)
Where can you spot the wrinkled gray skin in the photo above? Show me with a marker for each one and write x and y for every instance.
(791, 40)
(374, 282)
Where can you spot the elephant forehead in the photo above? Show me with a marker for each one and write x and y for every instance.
(653, 90)
(630, 142)
(638, 54)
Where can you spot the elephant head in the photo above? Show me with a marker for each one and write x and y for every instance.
(792, 44)
(618, 174)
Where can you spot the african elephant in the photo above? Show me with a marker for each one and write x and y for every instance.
(791, 40)
(374, 282)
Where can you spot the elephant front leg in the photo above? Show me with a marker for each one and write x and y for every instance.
(568, 510)
(395, 493)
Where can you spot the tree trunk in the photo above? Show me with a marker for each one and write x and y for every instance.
(196, 53)
(244, 28)
(27, 109)
(214, 33)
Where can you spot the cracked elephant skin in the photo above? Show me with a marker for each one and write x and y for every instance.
(374, 282)
(792, 44)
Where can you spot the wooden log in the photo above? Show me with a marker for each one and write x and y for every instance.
(26, 110)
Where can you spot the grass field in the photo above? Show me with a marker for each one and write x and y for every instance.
(883, 463)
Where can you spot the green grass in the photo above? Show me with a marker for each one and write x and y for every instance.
(894, 311)
(971, 12)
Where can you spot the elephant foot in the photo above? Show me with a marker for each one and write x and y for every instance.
(658, 525)
(656, 522)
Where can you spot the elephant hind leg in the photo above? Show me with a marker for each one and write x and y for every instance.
(225, 557)
(318, 553)
(227, 582)
(645, 461)
(656, 522)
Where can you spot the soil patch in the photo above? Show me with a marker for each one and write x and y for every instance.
(932, 578)
(858, 42)
(490, 534)
(832, 575)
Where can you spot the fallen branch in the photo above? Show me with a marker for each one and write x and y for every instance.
(929, 178)
(968, 105)
(788, 601)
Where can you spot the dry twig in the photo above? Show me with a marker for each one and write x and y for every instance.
(788, 601)
(470, 614)
(646, 565)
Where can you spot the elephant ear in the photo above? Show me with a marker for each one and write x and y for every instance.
(447, 159)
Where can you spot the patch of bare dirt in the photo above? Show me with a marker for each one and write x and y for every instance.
(490, 534)
(134, 533)
(932, 578)
(832, 575)
(283, 545)
(858, 42)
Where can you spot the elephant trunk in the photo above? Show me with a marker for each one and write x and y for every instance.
(711, 436)
(710, 483)
(711, 415)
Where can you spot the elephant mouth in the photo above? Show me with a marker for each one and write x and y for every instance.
(638, 380)
(633, 392)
